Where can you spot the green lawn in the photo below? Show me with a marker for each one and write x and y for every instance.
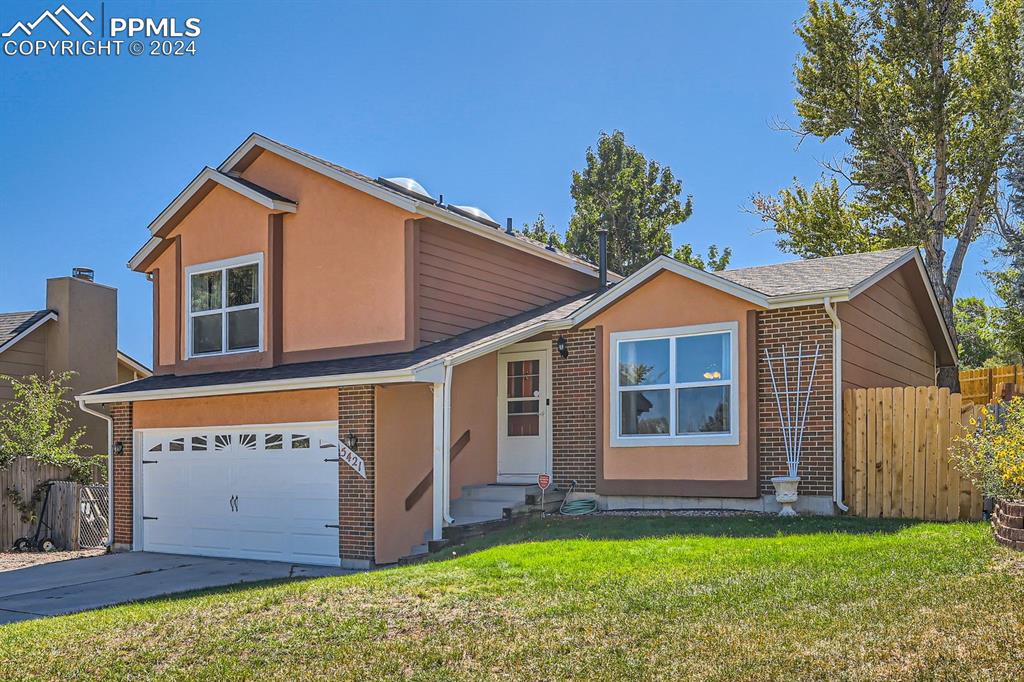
(596, 598)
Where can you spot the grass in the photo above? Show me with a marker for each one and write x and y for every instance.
(596, 598)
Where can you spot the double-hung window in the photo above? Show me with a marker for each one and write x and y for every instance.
(225, 307)
(675, 386)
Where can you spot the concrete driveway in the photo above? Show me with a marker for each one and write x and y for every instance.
(94, 582)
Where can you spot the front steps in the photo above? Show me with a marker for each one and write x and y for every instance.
(483, 508)
(493, 502)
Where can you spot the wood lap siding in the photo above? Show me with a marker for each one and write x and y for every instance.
(885, 341)
(465, 281)
(28, 356)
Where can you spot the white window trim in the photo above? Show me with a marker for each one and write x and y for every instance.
(732, 438)
(227, 263)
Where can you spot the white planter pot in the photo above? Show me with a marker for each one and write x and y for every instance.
(786, 493)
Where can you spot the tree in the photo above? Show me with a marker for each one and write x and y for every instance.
(37, 424)
(636, 200)
(540, 232)
(975, 331)
(714, 261)
(922, 94)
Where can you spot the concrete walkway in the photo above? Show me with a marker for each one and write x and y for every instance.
(94, 582)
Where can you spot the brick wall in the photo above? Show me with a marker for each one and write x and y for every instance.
(123, 509)
(574, 410)
(357, 416)
(792, 326)
(1008, 524)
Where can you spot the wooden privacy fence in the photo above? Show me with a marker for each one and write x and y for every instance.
(63, 513)
(982, 386)
(896, 459)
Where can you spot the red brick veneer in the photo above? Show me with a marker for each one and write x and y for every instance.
(357, 416)
(122, 513)
(573, 411)
(792, 326)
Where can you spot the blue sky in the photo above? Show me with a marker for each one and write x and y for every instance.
(491, 104)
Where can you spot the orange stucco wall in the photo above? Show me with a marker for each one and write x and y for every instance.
(475, 407)
(404, 456)
(312, 405)
(670, 300)
(343, 246)
(165, 263)
(223, 225)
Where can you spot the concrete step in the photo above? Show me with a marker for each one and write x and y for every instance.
(494, 491)
(419, 549)
(469, 520)
(491, 508)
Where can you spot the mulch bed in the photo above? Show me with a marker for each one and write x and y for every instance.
(10, 561)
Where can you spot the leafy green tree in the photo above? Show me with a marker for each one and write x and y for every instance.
(542, 233)
(36, 424)
(635, 199)
(714, 261)
(975, 331)
(922, 94)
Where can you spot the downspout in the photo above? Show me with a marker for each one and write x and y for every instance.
(110, 467)
(837, 405)
(446, 445)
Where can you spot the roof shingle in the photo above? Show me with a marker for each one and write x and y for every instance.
(12, 324)
(814, 274)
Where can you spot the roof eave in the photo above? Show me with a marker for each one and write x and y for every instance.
(332, 381)
(21, 335)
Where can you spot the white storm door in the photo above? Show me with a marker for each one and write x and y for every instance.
(261, 492)
(523, 415)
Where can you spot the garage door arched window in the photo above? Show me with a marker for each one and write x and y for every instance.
(225, 306)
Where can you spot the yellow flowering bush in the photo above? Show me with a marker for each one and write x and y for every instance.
(990, 451)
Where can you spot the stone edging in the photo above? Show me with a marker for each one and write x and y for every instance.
(1008, 524)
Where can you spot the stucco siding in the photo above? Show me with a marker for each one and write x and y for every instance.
(26, 357)
(404, 457)
(885, 340)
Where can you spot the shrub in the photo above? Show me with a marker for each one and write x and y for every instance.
(37, 424)
(991, 452)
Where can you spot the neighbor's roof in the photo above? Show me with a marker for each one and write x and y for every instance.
(331, 372)
(16, 326)
(815, 274)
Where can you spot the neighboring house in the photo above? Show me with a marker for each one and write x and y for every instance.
(76, 331)
(345, 365)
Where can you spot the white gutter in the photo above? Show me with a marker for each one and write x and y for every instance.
(446, 444)
(110, 467)
(837, 405)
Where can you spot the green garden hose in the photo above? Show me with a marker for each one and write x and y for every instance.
(576, 507)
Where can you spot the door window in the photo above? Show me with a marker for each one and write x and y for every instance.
(523, 397)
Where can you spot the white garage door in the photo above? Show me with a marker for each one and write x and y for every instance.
(266, 493)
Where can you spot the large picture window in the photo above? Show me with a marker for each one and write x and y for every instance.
(675, 386)
(225, 309)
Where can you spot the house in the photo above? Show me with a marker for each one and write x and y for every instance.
(76, 331)
(346, 365)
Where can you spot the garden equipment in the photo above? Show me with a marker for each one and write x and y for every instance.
(46, 543)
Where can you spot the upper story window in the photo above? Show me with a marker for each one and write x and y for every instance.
(225, 309)
(675, 386)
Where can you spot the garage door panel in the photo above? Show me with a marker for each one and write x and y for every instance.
(232, 497)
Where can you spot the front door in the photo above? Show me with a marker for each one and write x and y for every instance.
(524, 407)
